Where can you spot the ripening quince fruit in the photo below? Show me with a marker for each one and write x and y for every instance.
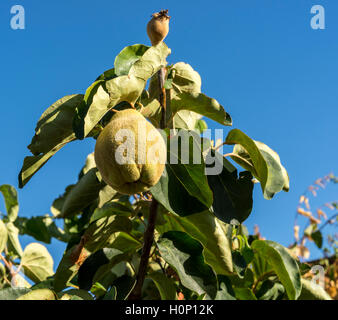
(158, 27)
(130, 153)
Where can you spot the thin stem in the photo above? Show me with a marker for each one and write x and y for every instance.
(9, 266)
(328, 221)
(5, 262)
(148, 241)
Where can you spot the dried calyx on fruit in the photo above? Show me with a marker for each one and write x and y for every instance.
(158, 27)
(130, 153)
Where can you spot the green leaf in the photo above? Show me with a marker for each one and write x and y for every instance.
(187, 101)
(244, 294)
(183, 187)
(102, 232)
(95, 98)
(107, 75)
(282, 263)
(239, 263)
(181, 78)
(317, 238)
(98, 289)
(83, 194)
(37, 262)
(111, 294)
(186, 119)
(151, 61)
(107, 193)
(270, 290)
(46, 284)
(13, 242)
(39, 294)
(201, 126)
(3, 236)
(13, 293)
(261, 161)
(58, 203)
(127, 57)
(232, 194)
(75, 294)
(312, 291)
(92, 264)
(124, 286)
(310, 229)
(112, 208)
(11, 201)
(223, 294)
(244, 281)
(69, 266)
(278, 178)
(35, 227)
(103, 96)
(55, 125)
(127, 243)
(185, 78)
(225, 291)
(214, 235)
(107, 273)
(184, 254)
(42, 228)
(165, 285)
(54, 130)
(201, 104)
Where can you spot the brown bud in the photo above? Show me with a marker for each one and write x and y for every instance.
(158, 27)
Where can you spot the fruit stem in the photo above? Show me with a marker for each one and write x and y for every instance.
(163, 102)
(136, 294)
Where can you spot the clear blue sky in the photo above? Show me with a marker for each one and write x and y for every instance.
(276, 76)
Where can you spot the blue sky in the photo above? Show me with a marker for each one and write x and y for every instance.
(273, 73)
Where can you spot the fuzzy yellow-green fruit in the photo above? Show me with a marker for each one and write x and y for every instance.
(130, 153)
(158, 27)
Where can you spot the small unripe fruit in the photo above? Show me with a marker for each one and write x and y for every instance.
(158, 27)
(130, 153)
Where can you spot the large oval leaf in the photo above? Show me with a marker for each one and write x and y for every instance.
(13, 293)
(312, 291)
(103, 95)
(282, 263)
(3, 236)
(183, 187)
(261, 161)
(184, 254)
(232, 194)
(201, 104)
(92, 264)
(214, 235)
(37, 262)
(11, 201)
(53, 131)
(39, 294)
(102, 232)
(151, 61)
(165, 285)
(127, 57)
(13, 242)
(69, 266)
